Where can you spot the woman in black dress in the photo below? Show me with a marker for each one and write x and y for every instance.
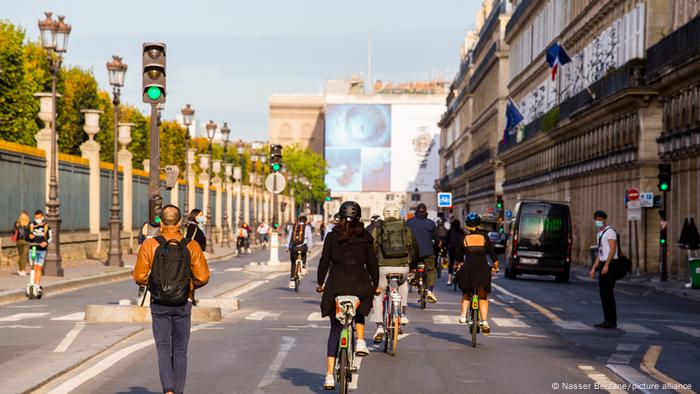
(195, 228)
(349, 260)
(476, 272)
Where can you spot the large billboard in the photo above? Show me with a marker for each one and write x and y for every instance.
(382, 147)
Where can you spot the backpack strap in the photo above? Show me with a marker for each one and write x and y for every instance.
(184, 242)
(161, 240)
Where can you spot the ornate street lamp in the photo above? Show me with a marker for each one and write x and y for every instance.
(211, 129)
(115, 70)
(54, 39)
(187, 116)
(225, 132)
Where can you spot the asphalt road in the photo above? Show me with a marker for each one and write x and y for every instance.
(542, 341)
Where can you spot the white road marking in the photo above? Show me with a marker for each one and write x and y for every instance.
(315, 316)
(632, 376)
(513, 312)
(445, 319)
(212, 269)
(277, 275)
(25, 306)
(356, 376)
(503, 322)
(23, 316)
(648, 365)
(694, 332)
(71, 317)
(234, 269)
(620, 358)
(546, 312)
(601, 379)
(260, 315)
(243, 289)
(69, 338)
(627, 347)
(19, 326)
(281, 329)
(273, 370)
(574, 325)
(635, 328)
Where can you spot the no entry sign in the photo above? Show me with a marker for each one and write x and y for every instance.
(632, 194)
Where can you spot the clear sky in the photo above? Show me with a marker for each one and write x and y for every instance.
(227, 57)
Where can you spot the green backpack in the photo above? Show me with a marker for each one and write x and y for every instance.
(392, 239)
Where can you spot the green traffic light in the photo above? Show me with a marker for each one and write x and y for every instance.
(276, 225)
(328, 198)
(153, 93)
(276, 167)
(663, 186)
(499, 206)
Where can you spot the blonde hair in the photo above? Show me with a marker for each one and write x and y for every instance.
(23, 219)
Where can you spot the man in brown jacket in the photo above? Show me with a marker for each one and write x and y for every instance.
(171, 324)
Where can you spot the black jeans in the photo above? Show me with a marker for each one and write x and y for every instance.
(171, 331)
(606, 283)
(293, 256)
(334, 335)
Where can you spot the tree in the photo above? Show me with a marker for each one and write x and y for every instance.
(106, 135)
(78, 88)
(172, 144)
(309, 164)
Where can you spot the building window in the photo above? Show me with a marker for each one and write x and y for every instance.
(390, 197)
(415, 197)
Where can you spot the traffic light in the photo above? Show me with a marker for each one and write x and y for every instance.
(499, 202)
(662, 237)
(328, 195)
(153, 87)
(171, 174)
(155, 206)
(664, 177)
(275, 157)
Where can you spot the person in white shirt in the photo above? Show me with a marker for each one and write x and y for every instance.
(263, 234)
(607, 252)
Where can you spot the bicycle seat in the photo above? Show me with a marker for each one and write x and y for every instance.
(394, 276)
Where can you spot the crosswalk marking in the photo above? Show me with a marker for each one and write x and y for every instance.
(315, 316)
(620, 358)
(20, 326)
(234, 269)
(260, 315)
(23, 316)
(71, 317)
(635, 328)
(504, 322)
(573, 325)
(627, 347)
(694, 332)
(445, 319)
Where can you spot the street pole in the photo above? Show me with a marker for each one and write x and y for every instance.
(155, 199)
(226, 238)
(187, 115)
(114, 256)
(664, 245)
(208, 227)
(53, 216)
(274, 241)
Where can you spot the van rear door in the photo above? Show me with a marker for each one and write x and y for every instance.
(543, 233)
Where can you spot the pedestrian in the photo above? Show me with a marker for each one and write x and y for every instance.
(20, 234)
(349, 260)
(607, 276)
(172, 267)
(263, 234)
(195, 228)
(39, 236)
(423, 229)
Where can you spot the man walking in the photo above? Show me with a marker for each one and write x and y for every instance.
(172, 268)
(423, 229)
(607, 252)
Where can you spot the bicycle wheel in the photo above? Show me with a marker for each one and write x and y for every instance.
(474, 328)
(343, 373)
(386, 324)
(395, 335)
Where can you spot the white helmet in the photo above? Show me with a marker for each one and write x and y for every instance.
(392, 211)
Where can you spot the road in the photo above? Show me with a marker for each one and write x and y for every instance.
(542, 339)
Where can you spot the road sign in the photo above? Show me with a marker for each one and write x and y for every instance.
(275, 183)
(509, 214)
(634, 210)
(490, 211)
(403, 213)
(444, 200)
(647, 199)
(632, 194)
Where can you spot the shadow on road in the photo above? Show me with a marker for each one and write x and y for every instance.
(139, 390)
(303, 378)
(447, 336)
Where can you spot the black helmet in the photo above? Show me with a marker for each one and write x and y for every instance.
(472, 220)
(350, 210)
(376, 218)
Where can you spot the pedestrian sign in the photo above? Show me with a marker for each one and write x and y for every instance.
(444, 200)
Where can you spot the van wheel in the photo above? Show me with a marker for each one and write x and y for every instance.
(563, 278)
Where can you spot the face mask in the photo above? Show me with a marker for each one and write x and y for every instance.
(38, 220)
(201, 219)
(598, 224)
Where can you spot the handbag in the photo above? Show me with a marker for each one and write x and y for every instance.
(620, 266)
(15, 234)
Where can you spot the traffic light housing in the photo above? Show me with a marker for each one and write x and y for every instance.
(153, 85)
(664, 177)
(155, 206)
(328, 195)
(499, 202)
(275, 158)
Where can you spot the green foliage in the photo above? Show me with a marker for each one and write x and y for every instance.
(172, 144)
(140, 133)
(78, 88)
(305, 162)
(550, 119)
(106, 135)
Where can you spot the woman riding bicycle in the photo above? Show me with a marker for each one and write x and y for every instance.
(476, 272)
(349, 260)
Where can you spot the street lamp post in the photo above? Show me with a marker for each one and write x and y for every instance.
(238, 177)
(211, 129)
(187, 115)
(115, 70)
(54, 39)
(225, 132)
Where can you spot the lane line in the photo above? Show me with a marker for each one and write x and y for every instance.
(23, 316)
(71, 317)
(315, 316)
(234, 269)
(69, 338)
(445, 319)
(648, 365)
(634, 377)
(19, 326)
(260, 315)
(627, 347)
(573, 325)
(273, 370)
(546, 312)
(635, 328)
(620, 358)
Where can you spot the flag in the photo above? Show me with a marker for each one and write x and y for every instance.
(513, 119)
(557, 56)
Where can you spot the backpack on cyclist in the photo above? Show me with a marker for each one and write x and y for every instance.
(169, 281)
(440, 232)
(298, 234)
(392, 239)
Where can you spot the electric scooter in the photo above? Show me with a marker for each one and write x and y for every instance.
(33, 290)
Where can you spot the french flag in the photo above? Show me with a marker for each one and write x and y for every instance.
(556, 56)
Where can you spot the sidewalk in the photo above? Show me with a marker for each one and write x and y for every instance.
(79, 274)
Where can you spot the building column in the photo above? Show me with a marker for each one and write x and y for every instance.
(125, 161)
(203, 178)
(246, 204)
(238, 195)
(191, 180)
(43, 136)
(255, 204)
(90, 150)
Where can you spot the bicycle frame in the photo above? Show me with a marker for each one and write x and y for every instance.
(474, 316)
(345, 307)
(392, 316)
(422, 293)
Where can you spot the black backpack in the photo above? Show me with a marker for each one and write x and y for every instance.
(623, 263)
(169, 281)
(298, 234)
(393, 240)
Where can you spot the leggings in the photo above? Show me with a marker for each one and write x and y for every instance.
(334, 335)
(451, 254)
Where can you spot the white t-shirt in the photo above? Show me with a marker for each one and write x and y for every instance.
(607, 233)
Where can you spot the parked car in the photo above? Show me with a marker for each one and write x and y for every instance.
(540, 240)
(498, 237)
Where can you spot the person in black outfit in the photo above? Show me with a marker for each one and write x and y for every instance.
(349, 260)
(455, 236)
(195, 228)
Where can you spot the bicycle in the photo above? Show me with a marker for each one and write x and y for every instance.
(442, 261)
(392, 314)
(474, 316)
(297, 271)
(345, 307)
(422, 290)
(33, 290)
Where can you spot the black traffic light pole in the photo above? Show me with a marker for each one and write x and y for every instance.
(662, 239)
(155, 201)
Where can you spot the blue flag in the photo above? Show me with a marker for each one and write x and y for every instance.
(513, 119)
(557, 56)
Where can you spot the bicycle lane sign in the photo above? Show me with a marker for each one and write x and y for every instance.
(444, 200)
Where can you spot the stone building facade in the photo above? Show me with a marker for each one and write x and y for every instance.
(297, 119)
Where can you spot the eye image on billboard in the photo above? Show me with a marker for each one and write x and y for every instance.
(358, 125)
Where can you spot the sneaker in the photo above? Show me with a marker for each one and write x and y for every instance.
(379, 335)
(404, 319)
(22, 273)
(485, 328)
(463, 319)
(449, 280)
(291, 283)
(361, 348)
(431, 297)
(329, 383)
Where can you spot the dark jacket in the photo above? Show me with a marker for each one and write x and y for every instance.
(39, 233)
(22, 232)
(352, 270)
(423, 228)
(455, 238)
(194, 233)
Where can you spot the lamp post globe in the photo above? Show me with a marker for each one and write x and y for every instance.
(115, 71)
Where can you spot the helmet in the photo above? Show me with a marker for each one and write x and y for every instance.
(392, 211)
(350, 210)
(302, 218)
(375, 218)
(472, 220)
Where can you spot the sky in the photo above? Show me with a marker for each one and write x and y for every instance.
(226, 57)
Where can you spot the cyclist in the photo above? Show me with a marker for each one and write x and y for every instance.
(39, 234)
(263, 234)
(349, 260)
(374, 222)
(439, 242)
(300, 239)
(423, 229)
(243, 239)
(395, 247)
(476, 272)
(455, 237)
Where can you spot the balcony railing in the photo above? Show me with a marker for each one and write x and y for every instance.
(675, 48)
(482, 155)
(490, 23)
